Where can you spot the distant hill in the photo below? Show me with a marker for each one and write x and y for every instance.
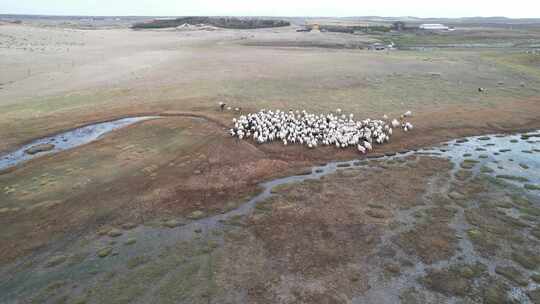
(223, 22)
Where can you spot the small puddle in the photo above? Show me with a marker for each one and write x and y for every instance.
(66, 140)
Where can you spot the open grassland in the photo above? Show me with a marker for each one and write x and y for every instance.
(102, 223)
(469, 37)
(524, 64)
(110, 73)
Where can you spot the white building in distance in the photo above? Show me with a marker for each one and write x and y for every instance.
(434, 26)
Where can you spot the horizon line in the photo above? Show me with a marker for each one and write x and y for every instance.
(265, 16)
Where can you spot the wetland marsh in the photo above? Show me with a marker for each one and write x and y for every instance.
(175, 210)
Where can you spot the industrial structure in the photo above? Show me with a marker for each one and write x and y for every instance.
(434, 27)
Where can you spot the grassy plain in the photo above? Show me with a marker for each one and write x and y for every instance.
(324, 241)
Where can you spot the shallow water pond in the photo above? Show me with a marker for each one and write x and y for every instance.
(514, 158)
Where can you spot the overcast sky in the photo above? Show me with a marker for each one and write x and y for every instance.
(417, 8)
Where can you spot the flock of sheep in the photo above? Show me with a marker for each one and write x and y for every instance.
(301, 127)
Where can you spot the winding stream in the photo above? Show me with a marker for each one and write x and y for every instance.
(66, 140)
